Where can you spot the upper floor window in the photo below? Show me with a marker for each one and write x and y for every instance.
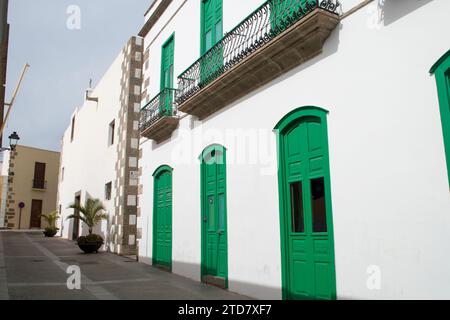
(108, 189)
(111, 133)
(39, 175)
(441, 70)
(211, 24)
(72, 131)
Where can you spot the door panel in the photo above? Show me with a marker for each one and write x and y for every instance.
(211, 33)
(214, 225)
(163, 220)
(36, 211)
(167, 62)
(307, 217)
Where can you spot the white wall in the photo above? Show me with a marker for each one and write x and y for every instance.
(88, 161)
(389, 181)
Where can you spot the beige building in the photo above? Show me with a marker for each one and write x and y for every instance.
(32, 184)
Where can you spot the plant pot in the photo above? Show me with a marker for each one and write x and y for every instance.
(90, 247)
(90, 244)
(50, 233)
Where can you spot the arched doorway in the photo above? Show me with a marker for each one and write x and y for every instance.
(214, 265)
(162, 218)
(307, 242)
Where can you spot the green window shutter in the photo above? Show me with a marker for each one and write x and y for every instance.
(441, 70)
(211, 33)
(211, 24)
(167, 62)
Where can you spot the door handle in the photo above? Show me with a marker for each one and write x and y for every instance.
(220, 232)
(205, 219)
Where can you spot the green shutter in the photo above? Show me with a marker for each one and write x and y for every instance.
(211, 33)
(167, 62)
(441, 69)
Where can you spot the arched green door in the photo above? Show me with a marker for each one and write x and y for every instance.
(214, 266)
(162, 218)
(305, 206)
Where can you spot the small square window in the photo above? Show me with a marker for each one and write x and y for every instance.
(111, 133)
(108, 189)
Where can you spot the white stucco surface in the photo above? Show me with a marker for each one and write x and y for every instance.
(390, 193)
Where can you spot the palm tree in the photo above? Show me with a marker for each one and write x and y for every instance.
(92, 212)
(51, 218)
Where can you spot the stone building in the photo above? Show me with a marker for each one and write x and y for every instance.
(99, 157)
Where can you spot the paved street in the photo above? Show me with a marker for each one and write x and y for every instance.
(34, 267)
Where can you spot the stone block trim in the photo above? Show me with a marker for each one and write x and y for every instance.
(124, 234)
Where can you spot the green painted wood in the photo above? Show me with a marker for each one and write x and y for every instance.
(167, 65)
(211, 32)
(214, 213)
(307, 245)
(162, 217)
(441, 70)
(282, 10)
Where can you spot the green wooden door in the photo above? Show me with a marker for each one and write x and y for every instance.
(284, 12)
(211, 33)
(214, 216)
(307, 231)
(167, 61)
(162, 218)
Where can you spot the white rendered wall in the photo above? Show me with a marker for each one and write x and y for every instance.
(89, 161)
(4, 167)
(390, 193)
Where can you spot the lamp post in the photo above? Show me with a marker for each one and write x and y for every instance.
(13, 140)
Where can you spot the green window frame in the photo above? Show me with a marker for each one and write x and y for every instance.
(441, 71)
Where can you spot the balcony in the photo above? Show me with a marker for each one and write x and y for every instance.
(39, 185)
(275, 38)
(158, 118)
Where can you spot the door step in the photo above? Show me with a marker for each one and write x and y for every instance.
(162, 267)
(215, 281)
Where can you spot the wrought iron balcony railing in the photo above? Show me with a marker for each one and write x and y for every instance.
(40, 184)
(163, 105)
(267, 22)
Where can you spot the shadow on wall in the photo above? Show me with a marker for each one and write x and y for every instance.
(252, 290)
(392, 10)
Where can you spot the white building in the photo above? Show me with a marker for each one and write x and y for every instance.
(100, 152)
(303, 155)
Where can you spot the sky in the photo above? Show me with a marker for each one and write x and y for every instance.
(62, 59)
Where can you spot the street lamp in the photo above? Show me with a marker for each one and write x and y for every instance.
(13, 139)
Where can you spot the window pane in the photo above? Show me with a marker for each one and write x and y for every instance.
(221, 211)
(319, 216)
(208, 42)
(298, 224)
(211, 213)
(218, 31)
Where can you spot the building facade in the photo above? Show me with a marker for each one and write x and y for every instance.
(30, 190)
(297, 149)
(99, 157)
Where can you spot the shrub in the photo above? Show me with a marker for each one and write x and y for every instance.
(91, 238)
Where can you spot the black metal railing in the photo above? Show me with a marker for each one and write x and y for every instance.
(40, 184)
(264, 24)
(163, 105)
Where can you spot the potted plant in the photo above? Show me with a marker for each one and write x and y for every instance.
(91, 214)
(51, 219)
